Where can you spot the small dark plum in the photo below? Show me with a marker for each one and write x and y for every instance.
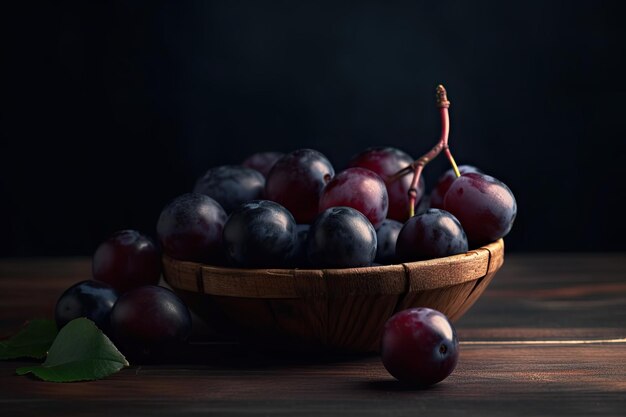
(150, 320)
(484, 205)
(260, 234)
(444, 183)
(419, 346)
(341, 237)
(387, 235)
(423, 205)
(126, 260)
(359, 188)
(190, 229)
(433, 234)
(91, 299)
(298, 258)
(262, 161)
(231, 185)
(386, 161)
(296, 181)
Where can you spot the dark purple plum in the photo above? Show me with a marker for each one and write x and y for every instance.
(433, 234)
(231, 185)
(190, 229)
(126, 260)
(419, 346)
(386, 161)
(262, 161)
(296, 181)
(298, 258)
(387, 235)
(423, 205)
(359, 188)
(91, 299)
(150, 320)
(484, 205)
(341, 237)
(444, 183)
(260, 234)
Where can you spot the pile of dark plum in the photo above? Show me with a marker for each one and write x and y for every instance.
(292, 211)
(283, 211)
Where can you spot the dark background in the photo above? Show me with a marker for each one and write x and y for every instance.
(110, 109)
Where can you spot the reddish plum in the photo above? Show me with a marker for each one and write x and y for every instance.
(484, 205)
(149, 320)
(296, 181)
(444, 183)
(126, 260)
(386, 161)
(360, 189)
(419, 346)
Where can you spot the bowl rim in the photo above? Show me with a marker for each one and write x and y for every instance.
(275, 283)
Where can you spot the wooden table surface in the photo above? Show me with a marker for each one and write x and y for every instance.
(548, 337)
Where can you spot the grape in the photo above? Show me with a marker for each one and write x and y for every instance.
(296, 180)
(419, 346)
(91, 299)
(387, 235)
(341, 237)
(231, 185)
(386, 161)
(360, 189)
(262, 161)
(190, 228)
(444, 183)
(260, 234)
(433, 234)
(149, 320)
(126, 260)
(484, 205)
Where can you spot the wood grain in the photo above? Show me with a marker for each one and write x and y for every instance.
(555, 297)
(340, 309)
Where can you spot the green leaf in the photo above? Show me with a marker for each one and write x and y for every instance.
(33, 341)
(80, 352)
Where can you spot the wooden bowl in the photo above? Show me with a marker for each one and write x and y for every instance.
(329, 309)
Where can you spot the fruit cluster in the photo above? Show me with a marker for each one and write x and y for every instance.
(125, 301)
(292, 210)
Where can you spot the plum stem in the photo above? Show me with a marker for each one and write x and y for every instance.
(417, 166)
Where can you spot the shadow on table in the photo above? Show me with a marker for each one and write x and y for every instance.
(236, 355)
